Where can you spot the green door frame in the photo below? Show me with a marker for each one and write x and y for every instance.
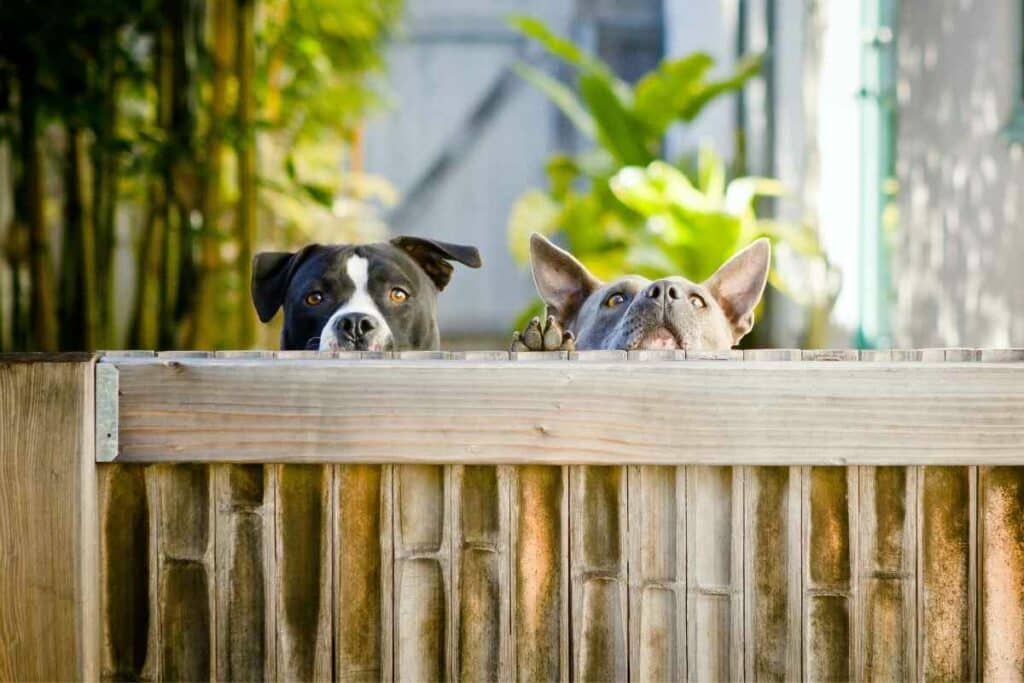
(878, 171)
(1014, 130)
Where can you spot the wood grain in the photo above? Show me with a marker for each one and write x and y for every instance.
(1001, 548)
(598, 558)
(714, 573)
(598, 413)
(657, 573)
(49, 573)
(888, 561)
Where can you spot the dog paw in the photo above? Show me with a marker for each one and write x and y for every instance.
(546, 336)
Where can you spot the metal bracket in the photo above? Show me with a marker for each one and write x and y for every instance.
(107, 390)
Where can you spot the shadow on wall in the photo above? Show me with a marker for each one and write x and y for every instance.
(959, 266)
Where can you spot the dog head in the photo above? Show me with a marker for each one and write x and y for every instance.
(370, 297)
(636, 313)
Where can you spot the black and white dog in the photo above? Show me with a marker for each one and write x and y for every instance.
(369, 297)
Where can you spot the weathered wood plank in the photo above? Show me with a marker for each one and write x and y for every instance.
(945, 573)
(888, 560)
(185, 572)
(304, 549)
(657, 573)
(49, 567)
(243, 514)
(446, 412)
(714, 573)
(363, 561)
(422, 597)
(598, 526)
(830, 581)
(480, 572)
(124, 562)
(773, 573)
(1001, 550)
(540, 573)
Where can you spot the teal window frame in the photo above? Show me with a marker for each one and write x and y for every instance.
(1014, 130)
(878, 172)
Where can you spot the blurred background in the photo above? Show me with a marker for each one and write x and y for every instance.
(148, 148)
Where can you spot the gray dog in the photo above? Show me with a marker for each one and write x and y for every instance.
(635, 313)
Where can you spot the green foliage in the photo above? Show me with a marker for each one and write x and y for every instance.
(620, 207)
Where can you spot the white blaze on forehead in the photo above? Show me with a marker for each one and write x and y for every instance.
(358, 270)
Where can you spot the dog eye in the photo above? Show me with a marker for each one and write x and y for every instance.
(314, 298)
(397, 295)
(614, 300)
(697, 301)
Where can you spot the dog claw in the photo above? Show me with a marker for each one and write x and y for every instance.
(533, 336)
(517, 343)
(543, 336)
(552, 334)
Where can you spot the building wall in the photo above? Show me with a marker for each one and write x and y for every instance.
(959, 261)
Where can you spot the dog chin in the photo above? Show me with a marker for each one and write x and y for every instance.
(659, 338)
(330, 344)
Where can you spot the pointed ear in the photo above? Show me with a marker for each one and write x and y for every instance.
(271, 273)
(562, 281)
(739, 283)
(434, 256)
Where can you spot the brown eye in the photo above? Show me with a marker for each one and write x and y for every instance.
(314, 298)
(397, 295)
(614, 300)
(696, 301)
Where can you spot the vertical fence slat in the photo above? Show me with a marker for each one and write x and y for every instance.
(598, 569)
(657, 573)
(773, 573)
(422, 572)
(241, 571)
(714, 572)
(186, 576)
(540, 572)
(125, 553)
(362, 572)
(887, 573)
(1001, 550)
(945, 572)
(830, 551)
(303, 546)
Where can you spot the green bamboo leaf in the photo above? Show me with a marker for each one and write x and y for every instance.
(745, 70)
(558, 46)
(534, 211)
(618, 130)
(662, 94)
(564, 98)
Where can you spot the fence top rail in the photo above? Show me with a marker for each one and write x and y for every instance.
(759, 408)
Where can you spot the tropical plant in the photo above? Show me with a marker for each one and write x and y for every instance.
(620, 207)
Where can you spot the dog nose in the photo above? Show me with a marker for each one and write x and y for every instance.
(663, 291)
(355, 325)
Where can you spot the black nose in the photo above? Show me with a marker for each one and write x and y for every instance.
(663, 291)
(355, 326)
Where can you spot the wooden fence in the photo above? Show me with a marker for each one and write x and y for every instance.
(428, 517)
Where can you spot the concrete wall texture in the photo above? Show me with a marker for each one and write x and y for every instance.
(959, 261)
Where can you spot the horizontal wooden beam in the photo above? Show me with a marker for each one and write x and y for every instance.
(184, 409)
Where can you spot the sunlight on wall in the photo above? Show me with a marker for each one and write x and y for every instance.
(839, 143)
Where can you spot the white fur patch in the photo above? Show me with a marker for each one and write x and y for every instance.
(357, 269)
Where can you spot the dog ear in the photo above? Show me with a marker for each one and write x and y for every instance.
(271, 273)
(433, 257)
(739, 283)
(562, 281)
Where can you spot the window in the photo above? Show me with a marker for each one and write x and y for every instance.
(1014, 131)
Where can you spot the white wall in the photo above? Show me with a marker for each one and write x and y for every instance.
(960, 263)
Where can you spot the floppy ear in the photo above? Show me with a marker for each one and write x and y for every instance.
(433, 257)
(739, 283)
(562, 281)
(271, 273)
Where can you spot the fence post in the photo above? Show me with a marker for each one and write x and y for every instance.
(49, 571)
